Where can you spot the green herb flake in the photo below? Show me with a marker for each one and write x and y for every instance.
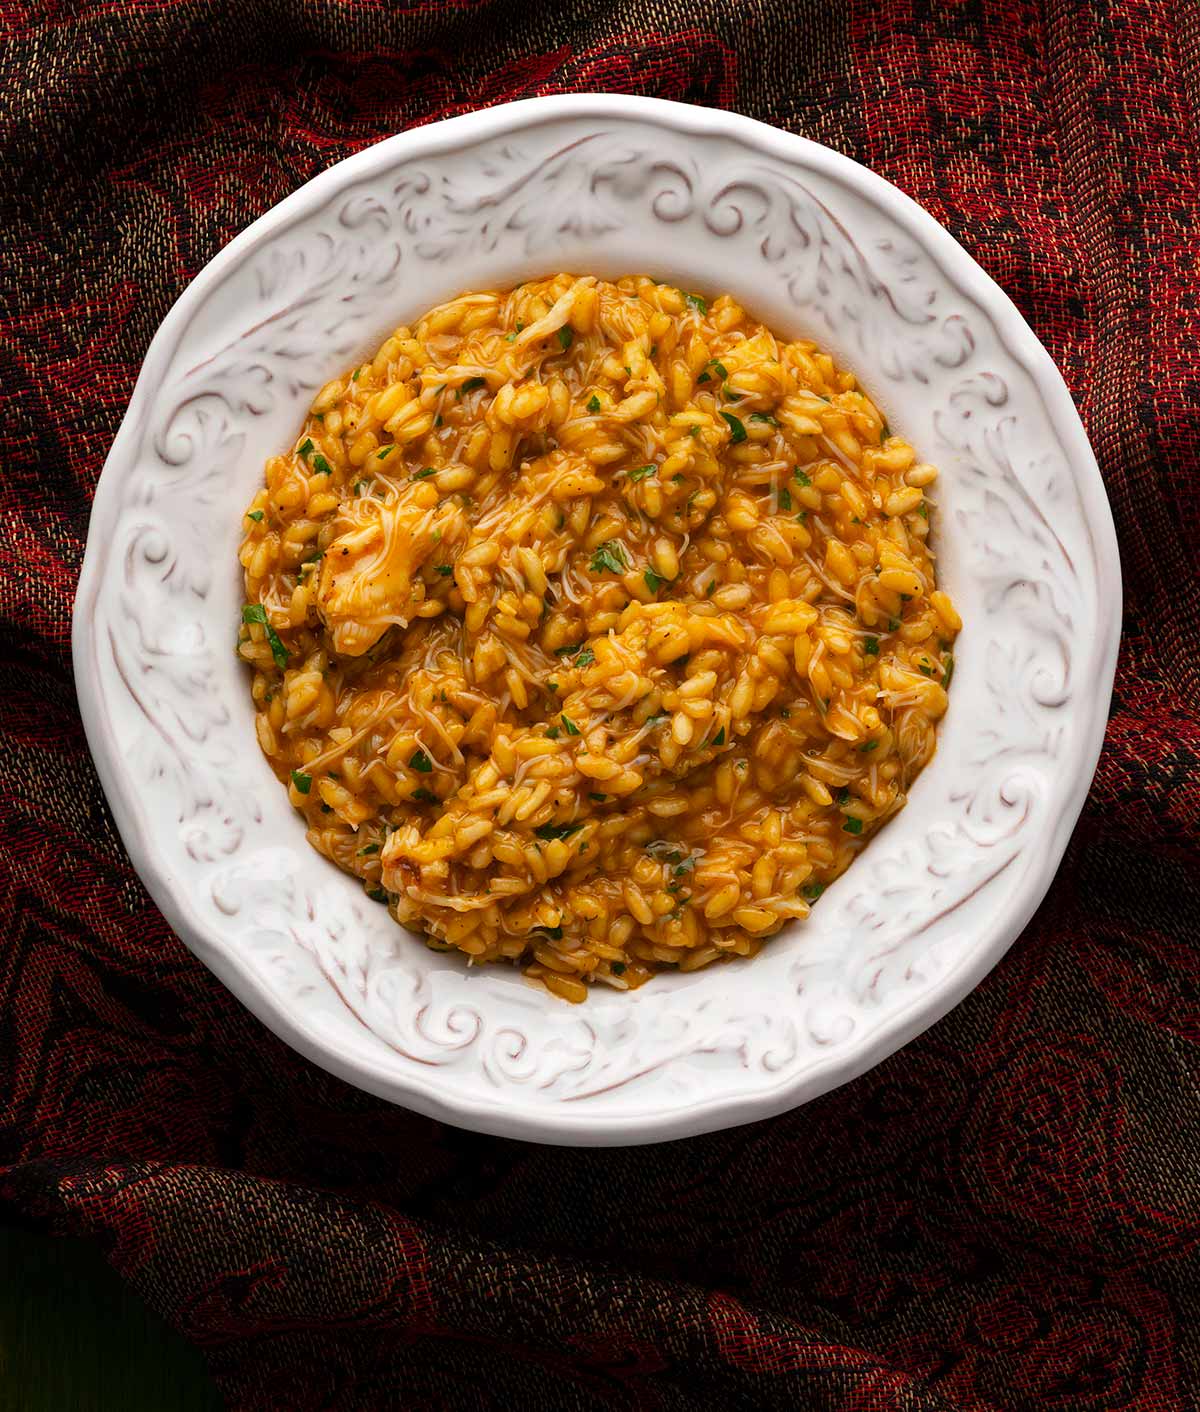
(553, 831)
(552, 733)
(617, 968)
(354, 377)
(871, 646)
(852, 825)
(923, 510)
(868, 745)
(384, 452)
(569, 725)
(359, 485)
(256, 613)
(305, 448)
(437, 421)
(695, 302)
(736, 428)
(685, 867)
(370, 848)
(585, 659)
(566, 336)
(785, 499)
(654, 581)
(423, 474)
(302, 781)
(609, 558)
(421, 762)
(641, 472)
(321, 465)
(800, 478)
(719, 738)
(893, 625)
(719, 368)
(425, 796)
(551, 686)
(377, 894)
(445, 569)
(884, 431)
(471, 384)
(598, 798)
(948, 672)
(255, 515)
(763, 417)
(813, 890)
(704, 377)
(593, 405)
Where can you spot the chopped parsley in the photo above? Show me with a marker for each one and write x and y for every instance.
(358, 486)
(871, 646)
(893, 625)
(552, 732)
(800, 478)
(719, 738)
(609, 558)
(471, 384)
(813, 890)
(654, 581)
(384, 453)
(948, 671)
(354, 377)
(852, 825)
(868, 745)
(641, 472)
(425, 796)
(736, 427)
(552, 831)
(551, 686)
(566, 336)
(585, 659)
(593, 403)
(370, 848)
(302, 781)
(569, 725)
(695, 302)
(785, 499)
(421, 762)
(884, 431)
(321, 465)
(617, 968)
(598, 798)
(422, 474)
(256, 613)
(377, 894)
(305, 448)
(255, 515)
(444, 569)
(763, 417)
(923, 510)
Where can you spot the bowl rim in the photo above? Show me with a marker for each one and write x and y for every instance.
(929, 1005)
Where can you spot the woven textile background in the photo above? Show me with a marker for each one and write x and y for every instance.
(1005, 1214)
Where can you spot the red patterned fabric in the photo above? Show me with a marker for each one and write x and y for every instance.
(1005, 1214)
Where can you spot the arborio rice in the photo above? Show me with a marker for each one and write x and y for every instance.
(594, 627)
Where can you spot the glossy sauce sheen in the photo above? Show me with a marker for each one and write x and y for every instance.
(594, 627)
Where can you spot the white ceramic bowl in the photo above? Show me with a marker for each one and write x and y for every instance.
(815, 245)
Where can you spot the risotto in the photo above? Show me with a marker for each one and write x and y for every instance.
(595, 627)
